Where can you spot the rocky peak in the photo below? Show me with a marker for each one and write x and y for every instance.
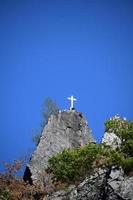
(67, 129)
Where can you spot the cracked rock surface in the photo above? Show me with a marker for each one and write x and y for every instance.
(105, 184)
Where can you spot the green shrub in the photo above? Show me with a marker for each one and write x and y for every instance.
(127, 165)
(114, 157)
(72, 164)
(127, 147)
(112, 124)
(124, 130)
(75, 164)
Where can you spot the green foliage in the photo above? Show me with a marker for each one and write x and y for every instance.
(127, 164)
(127, 147)
(124, 130)
(75, 164)
(113, 157)
(112, 125)
(4, 193)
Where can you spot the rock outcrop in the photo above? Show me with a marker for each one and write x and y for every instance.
(67, 129)
(105, 184)
(112, 140)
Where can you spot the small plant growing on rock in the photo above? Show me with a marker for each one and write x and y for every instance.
(124, 130)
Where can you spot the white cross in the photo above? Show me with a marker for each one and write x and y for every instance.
(72, 101)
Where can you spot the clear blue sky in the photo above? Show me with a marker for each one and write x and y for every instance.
(59, 48)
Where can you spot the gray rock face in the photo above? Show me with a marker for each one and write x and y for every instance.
(112, 140)
(68, 129)
(105, 184)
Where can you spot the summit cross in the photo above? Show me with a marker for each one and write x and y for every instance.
(72, 99)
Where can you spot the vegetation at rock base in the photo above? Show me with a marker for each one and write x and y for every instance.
(74, 164)
(13, 187)
(14, 167)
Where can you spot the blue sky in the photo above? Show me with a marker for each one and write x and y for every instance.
(58, 48)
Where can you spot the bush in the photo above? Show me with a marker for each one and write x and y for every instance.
(127, 147)
(74, 164)
(112, 125)
(14, 188)
(114, 157)
(127, 165)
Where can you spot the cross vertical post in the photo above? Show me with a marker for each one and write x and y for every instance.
(72, 99)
